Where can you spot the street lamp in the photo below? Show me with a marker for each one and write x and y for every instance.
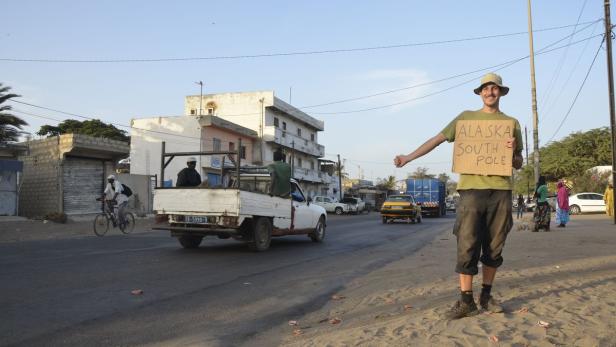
(200, 83)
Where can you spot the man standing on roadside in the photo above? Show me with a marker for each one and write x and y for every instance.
(484, 212)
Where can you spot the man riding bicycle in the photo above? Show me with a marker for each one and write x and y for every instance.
(113, 195)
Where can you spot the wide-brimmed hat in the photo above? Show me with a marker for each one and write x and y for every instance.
(492, 78)
(191, 160)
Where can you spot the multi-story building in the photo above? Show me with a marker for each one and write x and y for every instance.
(278, 125)
(188, 134)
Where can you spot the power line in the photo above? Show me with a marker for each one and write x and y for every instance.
(578, 92)
(507, 64)
(561, 60)
(267, 55)
(439, 80)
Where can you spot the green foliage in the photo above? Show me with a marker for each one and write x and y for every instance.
(10, 125)
(421, 172)
(388, 183)
(92, 127)
(571, 158)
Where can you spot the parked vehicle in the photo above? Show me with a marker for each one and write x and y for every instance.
(356, 205)
(429, 193)
(586, 202)
(330, 205)
(400, 207)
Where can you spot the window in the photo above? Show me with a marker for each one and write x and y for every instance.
(284, 125)
(327, 199)
(311, 137)
(311, 165)
(193, 111)
(216, 144)
(276, 122)
(299, 162)
(210, 111)
(299, 132)
(243, 152)
(318, 199)
(231, 146)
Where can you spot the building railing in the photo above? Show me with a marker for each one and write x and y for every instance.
(287, 139)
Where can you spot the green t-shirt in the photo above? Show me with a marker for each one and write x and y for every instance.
(281, 177)
(469, 181)
(542, 193)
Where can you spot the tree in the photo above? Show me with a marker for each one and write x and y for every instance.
(10, 125)
(443, 177)
(339, 168)
(388, 183)
(92, 127)
(421, 172)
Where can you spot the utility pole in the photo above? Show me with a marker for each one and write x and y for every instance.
(339, 178)
(534, 95)
(200, 83)
(610, 81)
(526, 146)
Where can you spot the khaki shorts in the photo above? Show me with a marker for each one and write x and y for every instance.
(482, 223)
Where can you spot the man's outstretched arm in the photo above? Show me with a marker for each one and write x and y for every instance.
(427, 147)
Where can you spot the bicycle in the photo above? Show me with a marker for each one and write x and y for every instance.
(109, 214)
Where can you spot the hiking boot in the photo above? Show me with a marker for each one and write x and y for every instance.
(461, 310)
(489, 304)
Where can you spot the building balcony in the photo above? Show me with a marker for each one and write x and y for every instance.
(286, 139)
(311, 175)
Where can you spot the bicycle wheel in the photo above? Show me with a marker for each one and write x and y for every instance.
(101, 225)
(129, 223)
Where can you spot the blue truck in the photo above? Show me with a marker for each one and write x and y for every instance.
(429, 193)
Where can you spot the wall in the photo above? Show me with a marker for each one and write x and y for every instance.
(41, 190)
(146, 146)
(141, 200)
(225, 136)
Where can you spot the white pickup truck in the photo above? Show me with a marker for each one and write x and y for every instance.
(245, 214)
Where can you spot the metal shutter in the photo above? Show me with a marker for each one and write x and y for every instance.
(82, 183)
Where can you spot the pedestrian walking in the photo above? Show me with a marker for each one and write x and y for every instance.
(541, 215)
(562, 204)
(521, 206)
(608, 198)
(484, 215)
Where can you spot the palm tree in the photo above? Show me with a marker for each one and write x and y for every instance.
(340, 168)
(390, 182)
(10, 125)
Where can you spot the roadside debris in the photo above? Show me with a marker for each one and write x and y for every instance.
(136, 292)
(522, 310)
(293, 323)
(494, 338)
(408, 307)
(335, 320)
(338, 297)
(297, 332)
(543, 324)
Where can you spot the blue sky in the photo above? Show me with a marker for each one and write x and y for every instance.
(117, 92)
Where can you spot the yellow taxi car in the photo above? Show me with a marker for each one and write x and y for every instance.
(400, 207)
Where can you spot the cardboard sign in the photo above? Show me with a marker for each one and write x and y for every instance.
(480, 147)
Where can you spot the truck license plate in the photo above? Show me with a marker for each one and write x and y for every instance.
(196, 219)
(396, 207)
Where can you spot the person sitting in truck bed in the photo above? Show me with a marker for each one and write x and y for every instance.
(189, 177)
(280, 173)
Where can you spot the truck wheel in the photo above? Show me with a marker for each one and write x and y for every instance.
(190, 241)
(261, 235)
(338, 210)
(319, 231)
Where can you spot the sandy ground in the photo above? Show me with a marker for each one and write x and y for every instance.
(565, 279)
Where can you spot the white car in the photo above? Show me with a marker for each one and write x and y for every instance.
(586, 202)
(330, 205)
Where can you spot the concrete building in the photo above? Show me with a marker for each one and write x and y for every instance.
(66, 173)
(278, 125)
(188, 134)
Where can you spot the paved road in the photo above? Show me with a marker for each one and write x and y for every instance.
(77, 291)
